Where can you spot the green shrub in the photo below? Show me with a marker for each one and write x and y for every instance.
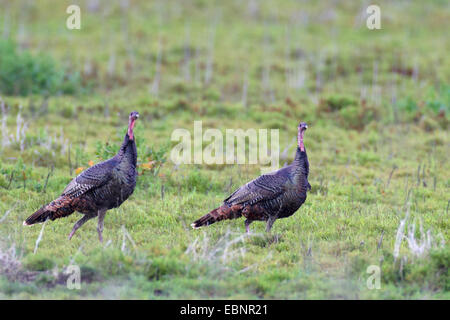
(356, 117)
(438, 101)
(178, 105)
(366, 158)
(38, 262)
(3, 181)
(336, 103)
(199, 182)
(165, 266)
(348, 112)
(23, 74)
(44, 279)
(90, 274)
(16, 287)
(408, 105)
(429, 124)
(108, 261)
(440, 261)
(431, 272)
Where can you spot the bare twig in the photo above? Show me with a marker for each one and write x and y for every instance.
(187, 55)
(390, 176)
(70, 162)
(50, 171)
(210, 58)
(5, 137)
(38, 240)
(157, 78)
(400, 234)
(10, 179)
(244, 88)
(163, 191)
(8, 212)
(418, 174)
(424, 183)
(126, 235)
(380, 241)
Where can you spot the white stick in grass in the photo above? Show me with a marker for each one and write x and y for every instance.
(38, 240)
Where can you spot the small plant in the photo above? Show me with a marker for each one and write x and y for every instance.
(80, 156)
(219, 256)
(5, 138)
(418, 246)
(106, 150)
(408, 105)
(153, 159)
(21, 127)
(438, 102)
(9, 260)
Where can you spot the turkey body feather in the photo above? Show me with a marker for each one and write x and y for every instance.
(269, 197)
(265, 187)
(101, 187)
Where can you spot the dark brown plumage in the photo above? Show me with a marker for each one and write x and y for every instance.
(269, 197)
(103, 186)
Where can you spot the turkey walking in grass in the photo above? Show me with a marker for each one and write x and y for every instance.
(103, 186)
(269, 197)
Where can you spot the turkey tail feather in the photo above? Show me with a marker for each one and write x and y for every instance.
(222, 213)
(59, 208)
(39, 216)
(206, 220)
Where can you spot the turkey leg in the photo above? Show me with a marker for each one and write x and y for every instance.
(101, 217)
(270, 222)
(79, 223)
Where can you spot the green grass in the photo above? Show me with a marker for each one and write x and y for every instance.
(375, 151)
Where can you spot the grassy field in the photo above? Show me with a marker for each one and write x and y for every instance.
(377, 103)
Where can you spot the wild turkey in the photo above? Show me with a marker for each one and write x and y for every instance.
(103, 186)
(269, 197)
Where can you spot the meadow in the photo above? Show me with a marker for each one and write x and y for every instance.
(377, 103)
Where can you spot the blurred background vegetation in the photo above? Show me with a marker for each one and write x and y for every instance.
(376, 101)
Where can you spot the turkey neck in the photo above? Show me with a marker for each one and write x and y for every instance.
(300, 162)
(128, 151)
